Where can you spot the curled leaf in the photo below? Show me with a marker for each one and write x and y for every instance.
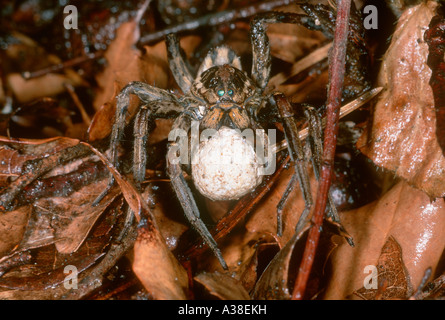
(401, 136)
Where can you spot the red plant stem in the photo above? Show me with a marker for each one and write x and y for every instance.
(336, 71)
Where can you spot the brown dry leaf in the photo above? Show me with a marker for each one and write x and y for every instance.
(251, 270)
(222, 286)
(154, 264)
(69, 219)
(171, 230)
(15, 152)
(12, 227)
(100, 126)
(122, 63)
(28, 54)
(274, 283)
(156, 267)
(44, 280)
(405, 213)
(55, 207)
(44, 86)
(40, 273)
(402, 136)
(393, 280)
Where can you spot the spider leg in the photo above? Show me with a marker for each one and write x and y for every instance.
(142, 127)
(178, 67)
(187, 200)
(166, 106)
(315, 133)
(260, 42)
(296, 153)
(282, 204)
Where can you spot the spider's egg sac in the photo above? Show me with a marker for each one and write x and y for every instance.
(226, 167)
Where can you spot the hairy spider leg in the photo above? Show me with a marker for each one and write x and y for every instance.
(316, 144)
(160, 103)
(261, 62)
(164, 105)
(261, 66)
(296, 153)
(315, 135)
(185, 195)
(181, 73)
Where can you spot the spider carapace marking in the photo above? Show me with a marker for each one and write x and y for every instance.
(225, 89)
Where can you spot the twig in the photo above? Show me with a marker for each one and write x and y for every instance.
(214, 19)
(85, 117)
(345, 110)
(426, 276)
(63, 65)
(314, 57)
(336, 71)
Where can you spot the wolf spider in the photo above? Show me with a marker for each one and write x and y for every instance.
(222, 95)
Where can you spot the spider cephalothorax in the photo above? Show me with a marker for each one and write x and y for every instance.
(225, 89)
(222, 98)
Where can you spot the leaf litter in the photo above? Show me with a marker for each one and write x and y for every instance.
(48, 185)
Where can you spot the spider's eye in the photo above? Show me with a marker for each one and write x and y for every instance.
(220, 93)
(230, 92)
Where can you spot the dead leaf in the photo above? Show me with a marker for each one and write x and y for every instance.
(12, 227)
(156, 267)
(222, 286)
(159, 201)
(47, 85)
(435, 38)
(122, 63)
(27, 53)
(252, 270)
(274, 283)
(393, 280)
(405, 213)
(45, 280)
(401, 136)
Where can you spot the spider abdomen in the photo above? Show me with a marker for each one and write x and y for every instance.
(226, 166)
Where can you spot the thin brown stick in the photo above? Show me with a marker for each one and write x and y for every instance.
(336, 71)
(85, 117)
(214, 19)
(61, 66)
(311, 59)
(344, 111)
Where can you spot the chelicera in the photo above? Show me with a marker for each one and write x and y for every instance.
(221, 97)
